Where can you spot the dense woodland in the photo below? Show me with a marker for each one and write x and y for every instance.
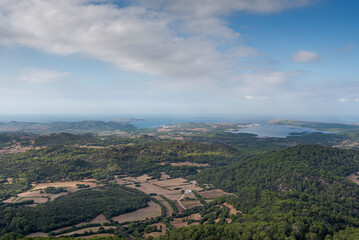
(297, 193)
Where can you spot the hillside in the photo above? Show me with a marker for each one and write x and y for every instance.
(297, 193)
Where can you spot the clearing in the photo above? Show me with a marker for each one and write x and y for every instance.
(83, 230)
(186, 164)
(212, 194)
(169, 210)
(182, 222)
(151, 211)
(354, 178)
(39, 198)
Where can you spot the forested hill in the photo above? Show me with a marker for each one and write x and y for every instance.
(344, 128)
(273, 170)
(300, 192)
(70, 127)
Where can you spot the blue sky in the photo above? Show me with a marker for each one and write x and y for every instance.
(277, 58)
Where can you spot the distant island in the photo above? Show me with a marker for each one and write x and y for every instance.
(80, 127)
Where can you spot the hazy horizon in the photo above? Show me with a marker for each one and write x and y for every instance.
(156, 120)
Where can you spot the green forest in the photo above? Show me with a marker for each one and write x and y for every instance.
(298, 192)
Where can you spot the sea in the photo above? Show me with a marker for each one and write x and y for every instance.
(257, 126)
(278, 131)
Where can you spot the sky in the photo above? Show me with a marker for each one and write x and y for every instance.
(280, 58)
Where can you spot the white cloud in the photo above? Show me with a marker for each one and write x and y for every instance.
(177, 39)
(38, 76)
(357, 100)
(305, 56)
(342, 100)
(205, 8)
(249, 97)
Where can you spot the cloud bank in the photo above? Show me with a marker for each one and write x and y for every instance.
(176, 39)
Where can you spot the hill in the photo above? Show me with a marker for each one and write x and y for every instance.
(81, 127)
(296, 193)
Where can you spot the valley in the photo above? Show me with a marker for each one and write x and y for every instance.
(148, 186)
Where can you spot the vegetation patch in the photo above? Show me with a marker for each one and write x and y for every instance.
(72, 209)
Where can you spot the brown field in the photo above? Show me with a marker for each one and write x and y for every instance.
(166, 188)
(38, 234)
(187, 164)
(179, 207)
(211, 194)
(39, 198)
(99, 219)
(169, 210)
(171, 182)
(16, 148)
(142, 178)
(70, 185)
(89, 180)
(36, 194)
(164, 176)
(96, 147)
(353, 178)
(122, 181)
(195, 216)
(188, 204)
(165, 130)
(178, 222)
(232, 210)
(161, 187)
(149, 187)
(94, 229)
(152, 210)
(98, 235)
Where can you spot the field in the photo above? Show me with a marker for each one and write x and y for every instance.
(83, 230)
(188, 204)
(99, 219)
(153, 210)
(38, 234)
(212, 194)
(232, 209)
(169, 210)
(171, 188)
(187, 164)
(70, 186)
(97, 235)
(182, 222)
(354, 178)
(160, 187)
(38, 196)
